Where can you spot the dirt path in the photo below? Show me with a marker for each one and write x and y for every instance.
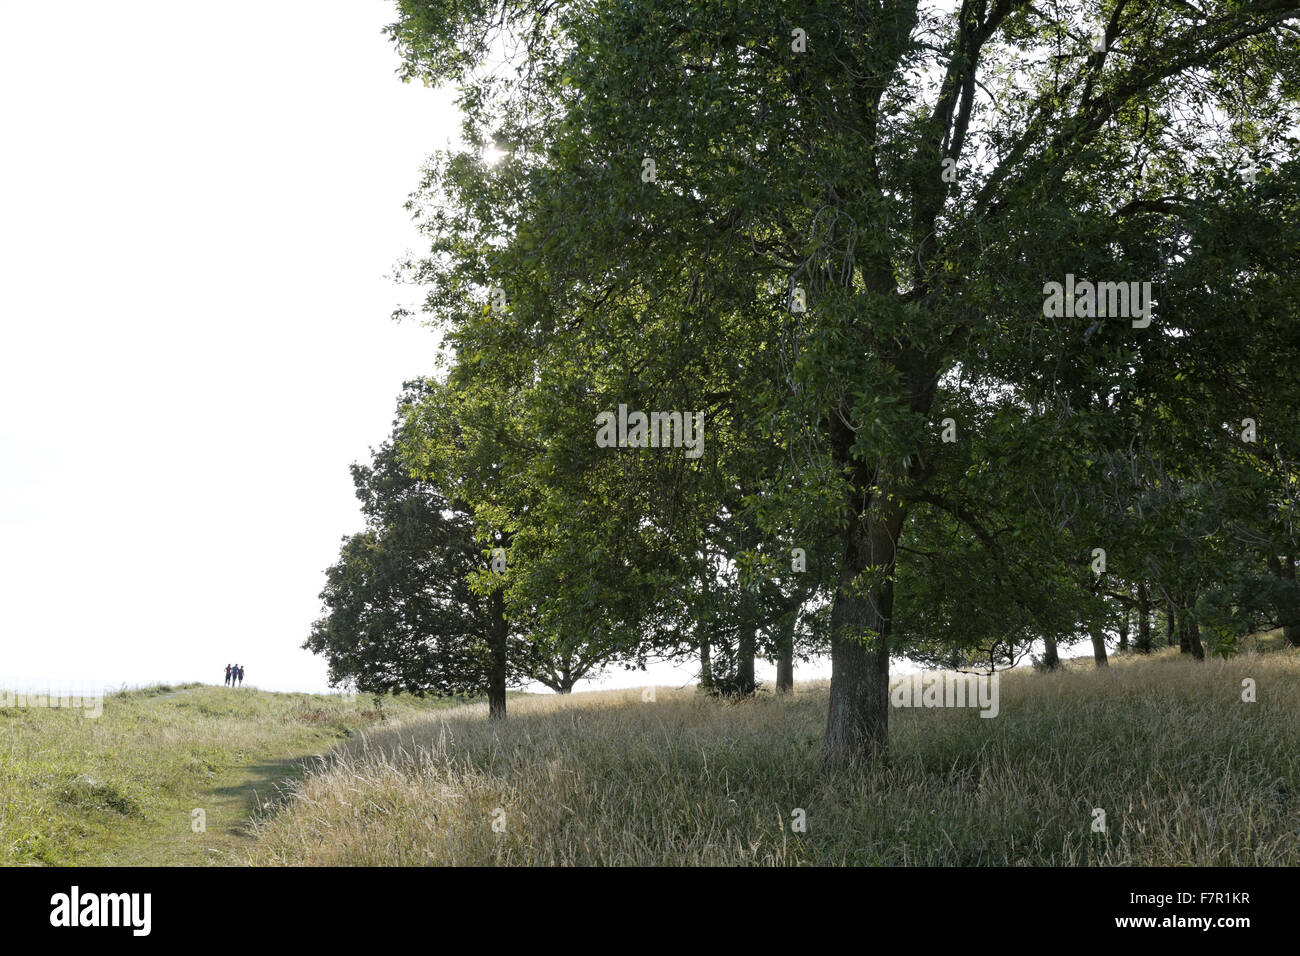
(229, 805)
(223, 831)
(170, 776)
(221, 834)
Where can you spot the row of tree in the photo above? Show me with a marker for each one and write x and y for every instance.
(831, 229)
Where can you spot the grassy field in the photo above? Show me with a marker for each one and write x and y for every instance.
(1186, 772)
(121, 788)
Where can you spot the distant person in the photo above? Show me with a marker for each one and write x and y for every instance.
(228, 670)
(241, 675)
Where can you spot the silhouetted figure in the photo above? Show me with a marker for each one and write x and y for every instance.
(228, 670)
(241, 675)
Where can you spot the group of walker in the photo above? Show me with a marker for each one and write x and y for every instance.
(234, 672)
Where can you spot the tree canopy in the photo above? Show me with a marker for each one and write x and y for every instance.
(973, 301)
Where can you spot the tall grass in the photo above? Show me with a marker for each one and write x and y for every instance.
(1185, 771)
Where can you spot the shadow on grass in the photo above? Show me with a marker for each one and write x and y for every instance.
(267, 786)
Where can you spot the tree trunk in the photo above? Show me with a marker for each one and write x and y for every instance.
(702, 629)
(857, 722)
(1288, 607)
(745, 653)
(1099, 647)
(1171, 624)
(785, 653)
(497, 675)
(1144, 619)
(1123, 631)
(1191, 638)
(1051, 660)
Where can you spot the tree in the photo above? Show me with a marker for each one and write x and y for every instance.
(917, 177)
(400, 613)
(403, 610)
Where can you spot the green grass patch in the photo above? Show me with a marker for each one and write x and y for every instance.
(121, 788)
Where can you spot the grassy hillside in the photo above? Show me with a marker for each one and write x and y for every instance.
(1186, 772)
(120, 788)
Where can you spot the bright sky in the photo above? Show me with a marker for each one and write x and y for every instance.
(199, 210)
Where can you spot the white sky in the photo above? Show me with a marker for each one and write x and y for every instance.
(198, 209)
(198, 212)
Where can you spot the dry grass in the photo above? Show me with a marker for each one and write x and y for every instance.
(1186, 772)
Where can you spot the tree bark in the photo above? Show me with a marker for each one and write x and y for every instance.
(1099, 647)
(1185, 625)
(1171, 624)
(1123, 631)
(1191, 638)
(1144, 619)
(745, 652)
(857, 723)
(702, 630)
(1288, 607)
(497, 674)
(1051, 660)
(857, 720)
(785, 653)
